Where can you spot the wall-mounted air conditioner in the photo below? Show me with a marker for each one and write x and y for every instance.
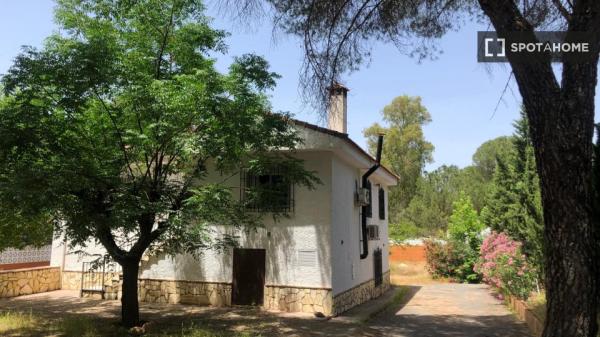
(362, 197)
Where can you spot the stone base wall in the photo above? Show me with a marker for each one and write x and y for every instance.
(292, 299)
(185, 292)
(157, 291)
(29, 281)
(360, 294)
(282, 298)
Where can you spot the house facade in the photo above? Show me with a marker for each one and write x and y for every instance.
(329, 255)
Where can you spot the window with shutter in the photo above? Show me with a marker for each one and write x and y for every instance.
(381, 201)
(369, 208)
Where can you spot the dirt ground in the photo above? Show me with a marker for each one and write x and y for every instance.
(170, 317)
(411, 273)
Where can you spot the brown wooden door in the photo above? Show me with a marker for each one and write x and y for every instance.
(248, 276)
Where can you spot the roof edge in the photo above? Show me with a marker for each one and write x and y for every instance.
(343, 136)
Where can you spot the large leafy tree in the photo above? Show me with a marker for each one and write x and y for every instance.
(559, 104)
(405, 149)
(109, 130)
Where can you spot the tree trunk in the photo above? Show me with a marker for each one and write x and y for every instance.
(571, 279)
(561, 124)
(130, 312)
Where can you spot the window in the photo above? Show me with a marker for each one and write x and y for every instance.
(381, 201)
(267, 192)
(373, 232)
(369, 208)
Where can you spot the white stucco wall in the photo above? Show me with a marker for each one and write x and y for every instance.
(307, 228)
(321, 220)
(348, 270)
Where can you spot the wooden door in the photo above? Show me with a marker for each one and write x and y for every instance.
(248, 276)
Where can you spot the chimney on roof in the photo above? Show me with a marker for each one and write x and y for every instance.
(337, 116)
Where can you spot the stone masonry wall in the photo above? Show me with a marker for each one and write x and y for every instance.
(29, 281)
(159, 291)
(360, 294)
(292, 299)
(185, 292)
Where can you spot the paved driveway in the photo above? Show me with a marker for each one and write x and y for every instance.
(450, 310)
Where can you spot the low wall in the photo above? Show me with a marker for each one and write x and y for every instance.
(29, 281)
(185, 292)
(407, 253)
(298, 299)
(525, 314)
(362, 293)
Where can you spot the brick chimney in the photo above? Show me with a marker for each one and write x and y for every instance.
(337, 116)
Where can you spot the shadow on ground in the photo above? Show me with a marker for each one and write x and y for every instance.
(449, 326)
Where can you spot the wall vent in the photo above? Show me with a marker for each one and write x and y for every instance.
(307, 258)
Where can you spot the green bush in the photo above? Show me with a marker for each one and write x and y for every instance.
(456, 259)
(452, 260)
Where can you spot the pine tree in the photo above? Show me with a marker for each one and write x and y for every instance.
(514, 203)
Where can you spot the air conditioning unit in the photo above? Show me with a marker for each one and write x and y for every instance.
(363, 196)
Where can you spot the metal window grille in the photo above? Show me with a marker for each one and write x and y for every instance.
(378, 266)
(381, 201)
(267, 192)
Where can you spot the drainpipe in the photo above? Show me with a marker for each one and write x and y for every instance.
(365, 180)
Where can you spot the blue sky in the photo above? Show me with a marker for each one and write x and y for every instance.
(460, 93)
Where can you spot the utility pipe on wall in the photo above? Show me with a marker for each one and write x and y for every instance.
(365, 181)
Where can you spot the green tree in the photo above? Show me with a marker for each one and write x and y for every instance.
(431, 206)
(464, 238)
(514, 203)
(405, 149)
(464, 224)
(109, 130)
(487, 154)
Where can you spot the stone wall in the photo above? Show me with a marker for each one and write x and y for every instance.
(185, 292)
(359, 294)
(296, 299)
(158, 291)
(29, 281)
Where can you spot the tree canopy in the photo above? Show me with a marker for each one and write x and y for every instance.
(109, 130)
(405, 149)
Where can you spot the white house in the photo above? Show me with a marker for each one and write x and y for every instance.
(317, 260)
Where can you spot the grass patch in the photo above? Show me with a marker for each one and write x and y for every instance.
(15, 321)
(27, 324)
(396, 301)
(537, 304)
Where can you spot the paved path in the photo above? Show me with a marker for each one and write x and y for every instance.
(450, 310)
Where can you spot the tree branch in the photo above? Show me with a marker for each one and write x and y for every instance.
(119, 134)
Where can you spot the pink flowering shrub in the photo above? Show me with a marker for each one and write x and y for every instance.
(505, 267)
